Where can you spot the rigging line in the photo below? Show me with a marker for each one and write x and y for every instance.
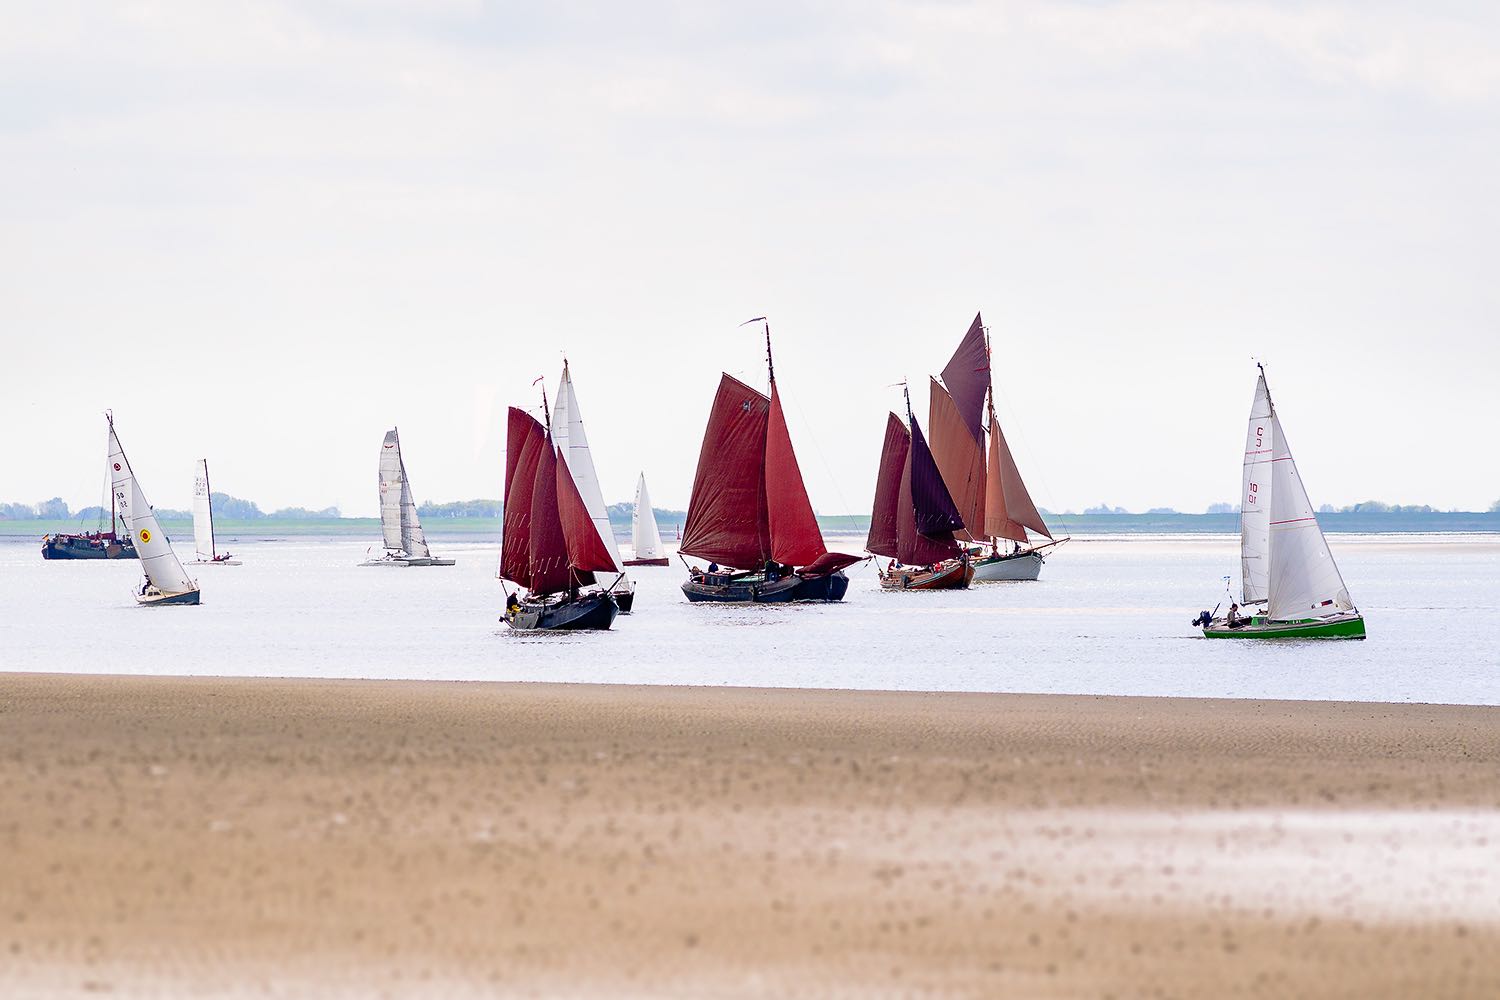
(821, 457)
(1032, 464)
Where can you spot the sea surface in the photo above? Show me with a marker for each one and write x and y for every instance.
(1109, 616)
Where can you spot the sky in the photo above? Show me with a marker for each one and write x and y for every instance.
(264, 233)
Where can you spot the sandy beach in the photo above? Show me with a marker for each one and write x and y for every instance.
(206, 837)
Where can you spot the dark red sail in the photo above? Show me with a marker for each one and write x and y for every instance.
(913, 547)
(524, 441)
(967, 376)
(549, 549)
(933, 508)
(727, 519)
(795, 537)
(883, 531)
(587, 552)
(960, 459)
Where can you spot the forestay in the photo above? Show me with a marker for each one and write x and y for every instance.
(157, 558)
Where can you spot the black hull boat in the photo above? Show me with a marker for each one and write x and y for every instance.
(93, 546)
(754, 588)
(587, 611)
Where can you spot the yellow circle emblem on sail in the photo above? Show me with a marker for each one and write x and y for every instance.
(145, 535)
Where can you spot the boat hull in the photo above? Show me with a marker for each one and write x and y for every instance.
(647, 562)
(1338, 627)
(1025, 566)
(724, 588)
(155, 598)
(85, 547)
(956, 576)
(625, 599)
(215, 562)
(589, 611)
(390, 561)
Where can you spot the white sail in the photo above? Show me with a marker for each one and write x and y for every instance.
(157, 558)
(413, 541)
(203, 515)
(568, 434)
(644, 536)
(1255, 499)
(1305, 582)
(392, 480)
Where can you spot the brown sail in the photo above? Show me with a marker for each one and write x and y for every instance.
(960, 459)
(587, 553)
(795, 537)
(1009, 510)
(727, 519)
(524, 442)
(549, 569)
(967, 376)
(883, 538)
(926, 517)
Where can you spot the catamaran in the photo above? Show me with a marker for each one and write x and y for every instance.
(914, 517)
(166, 582)
(645, 538)
(405, 544)
(568, 434)
(749, 516)
(203, 522)
(550, 544)
(1285, 563)
(991, 495)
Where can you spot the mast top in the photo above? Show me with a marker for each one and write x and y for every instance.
(770, 366)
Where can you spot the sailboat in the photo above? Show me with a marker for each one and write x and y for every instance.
(991, 495)
(749, 516)
(405, 544)
(96, 544)
(914, 518)
(550, 545)
(645, 538)
(166, 582)
(568, 434)
(1285, 563)
(203, 522)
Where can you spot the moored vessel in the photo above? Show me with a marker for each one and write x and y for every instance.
(96, 544)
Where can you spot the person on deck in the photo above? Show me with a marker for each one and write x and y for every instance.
(1233, 618)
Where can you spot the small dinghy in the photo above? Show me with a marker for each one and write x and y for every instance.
(1285, 563)
(914, 516)
(166, 582)
(645, 538)
(405, 544)
(550, 546)
(203, 522)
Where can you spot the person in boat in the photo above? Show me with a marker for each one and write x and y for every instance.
(1016, 549)
(1233, 619)
(713, 567)
(512, 604)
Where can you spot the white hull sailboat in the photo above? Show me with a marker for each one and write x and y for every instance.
(166, 582)
(645, 538)
(203, 522)
(405, 544)
(569, 436)
(1285, 563)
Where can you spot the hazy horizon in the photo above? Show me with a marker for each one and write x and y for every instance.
(267, 234)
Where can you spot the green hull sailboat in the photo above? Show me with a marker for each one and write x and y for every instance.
(1285, 563)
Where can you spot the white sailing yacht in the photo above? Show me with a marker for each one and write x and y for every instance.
(166, 581)
(1285, 563)
(405, 544)
(645, 538)
(568, 434)
(203, 522)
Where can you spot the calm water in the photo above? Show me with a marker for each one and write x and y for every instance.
(1109, 617)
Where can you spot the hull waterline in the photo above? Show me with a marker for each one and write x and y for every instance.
(957, 576)
(594, 612)
(647, 562)
(86, 547)
(748, 588)
(1025, 566)
(155, 598)
(1338, 627)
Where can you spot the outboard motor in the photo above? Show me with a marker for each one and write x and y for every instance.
(1203, 619)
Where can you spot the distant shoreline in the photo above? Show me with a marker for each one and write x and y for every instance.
(844, 524)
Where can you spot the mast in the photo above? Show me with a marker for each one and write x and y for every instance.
(213, 545)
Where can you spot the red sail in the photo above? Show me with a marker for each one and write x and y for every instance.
(967, 376)
(795, 538)
(549, 549)
(960, 459)
(727, 520)
(587, 552)
(1009, 510)
(524, 442)
(883, 531)
(933, 506)
(912, 547)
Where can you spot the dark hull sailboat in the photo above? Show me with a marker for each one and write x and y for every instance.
(914, 516)
(749, 509)
(550, 546)
(95, 545)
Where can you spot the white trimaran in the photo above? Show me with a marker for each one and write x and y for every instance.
(203, 522)
(645, 539)
(166, 581)
(405, 545)
(568, 434)
(1285, 563)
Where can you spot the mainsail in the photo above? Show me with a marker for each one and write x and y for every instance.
(884, 532)
(203, 515)
(645, 537)
(524, 441)
(398, 511)
(960, 457)
(926, 514)
(727, 521)
(568, 434)
(1255, 499)
(157, 558)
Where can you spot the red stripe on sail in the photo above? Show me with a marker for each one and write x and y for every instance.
(727, 519)
(884, 533)
(524, 442)
(586, 550)
(795, 538)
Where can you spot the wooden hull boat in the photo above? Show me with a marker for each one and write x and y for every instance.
(951, 576)
(155, 598)
(647, 562)
(754, 588)
(1345, 626)
(101, 546)
(587, 611)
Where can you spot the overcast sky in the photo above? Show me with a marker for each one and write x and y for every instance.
(265, 233)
